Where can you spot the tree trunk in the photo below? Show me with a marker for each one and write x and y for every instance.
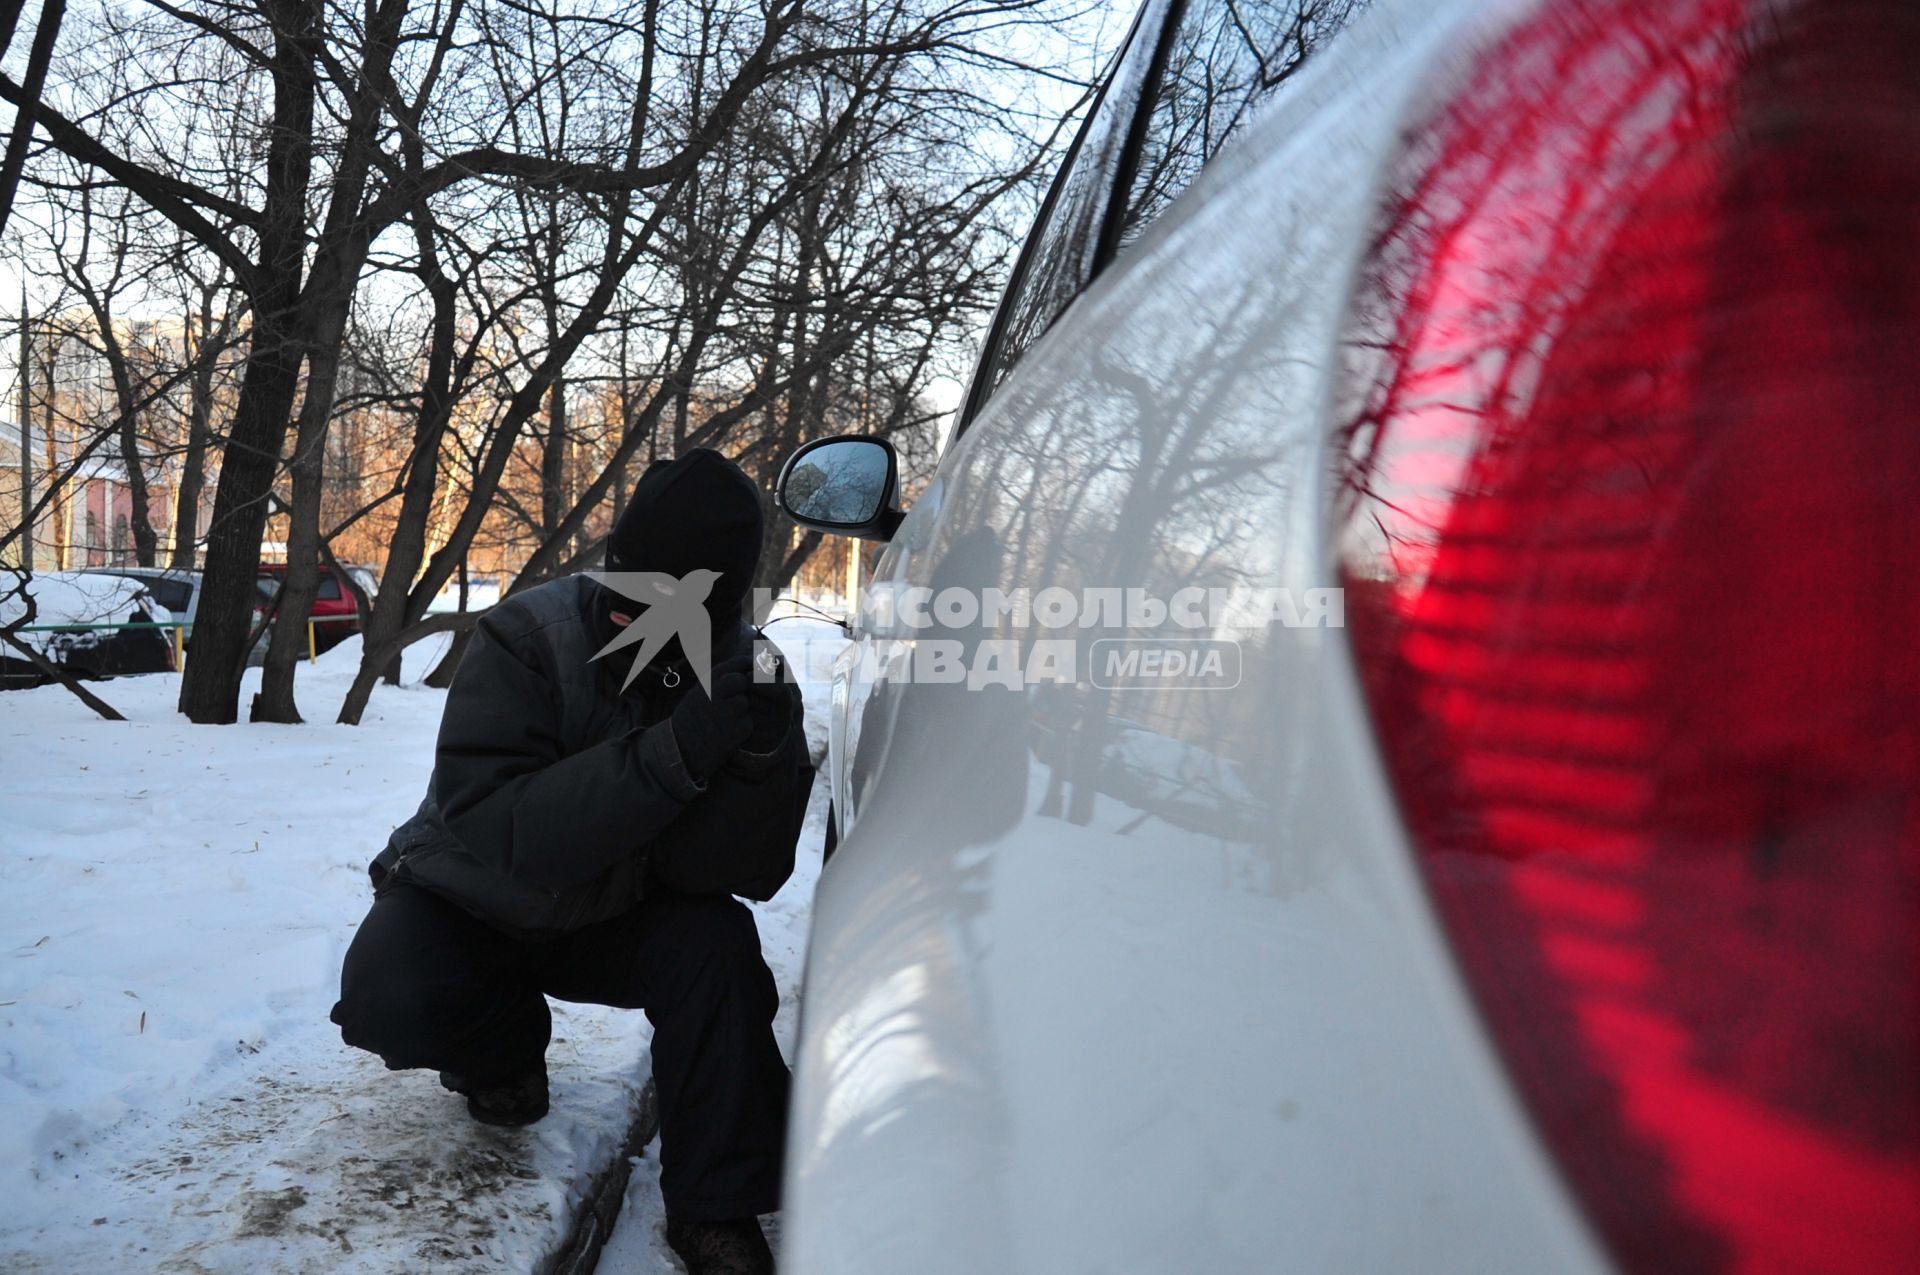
(397, 603)
(553, 460)
(275, 701)
(210, 687)
(193, 464)
(442, 676)
(146, 545)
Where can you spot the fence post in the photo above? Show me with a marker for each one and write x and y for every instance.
(313, 650)
(179, 648)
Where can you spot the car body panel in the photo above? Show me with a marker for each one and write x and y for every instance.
(1065, 1026)
(335, 618)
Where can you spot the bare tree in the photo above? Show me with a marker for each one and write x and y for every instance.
(620, 230)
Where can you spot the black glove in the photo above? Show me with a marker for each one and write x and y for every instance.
(709, 729)
(770, 696)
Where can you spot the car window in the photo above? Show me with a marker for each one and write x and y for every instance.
(174, 595)
(1225, 59)
(328, 588)
(1062, 251)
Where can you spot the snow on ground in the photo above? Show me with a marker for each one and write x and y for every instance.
(174, 904)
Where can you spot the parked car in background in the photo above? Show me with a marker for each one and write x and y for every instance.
(178, 589)
(75, 626)
(1554, 908)
(335, 615)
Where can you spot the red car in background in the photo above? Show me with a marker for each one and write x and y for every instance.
(335, 615)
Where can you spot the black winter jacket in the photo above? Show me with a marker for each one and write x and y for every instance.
(555, 797)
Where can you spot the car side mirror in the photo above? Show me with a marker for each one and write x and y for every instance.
(842, 485)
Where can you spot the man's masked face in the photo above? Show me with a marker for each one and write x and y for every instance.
(624, 611)
(680, 560)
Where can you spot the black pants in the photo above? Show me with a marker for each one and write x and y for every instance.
(428, 985)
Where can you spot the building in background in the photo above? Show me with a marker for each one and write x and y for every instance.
(89, 521)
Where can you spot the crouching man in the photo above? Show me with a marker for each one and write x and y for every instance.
(585, 826)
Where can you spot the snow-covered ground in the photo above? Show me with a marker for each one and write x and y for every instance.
(174, 904)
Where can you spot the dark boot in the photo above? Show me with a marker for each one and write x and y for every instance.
(509, 1104)
(731, 1247)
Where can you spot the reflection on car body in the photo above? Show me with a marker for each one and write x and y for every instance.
(1558, 911)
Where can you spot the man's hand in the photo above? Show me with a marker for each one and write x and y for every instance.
(710, 729)
(770, 697)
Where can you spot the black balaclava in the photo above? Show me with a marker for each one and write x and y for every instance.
(700, 510)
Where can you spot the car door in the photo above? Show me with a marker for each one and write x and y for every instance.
(1061, 258)
(1146, 962)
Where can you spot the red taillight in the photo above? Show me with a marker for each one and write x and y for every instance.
(1632, 542)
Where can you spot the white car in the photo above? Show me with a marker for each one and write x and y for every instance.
(178, 589)
(1545, 899)
(89, 624)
